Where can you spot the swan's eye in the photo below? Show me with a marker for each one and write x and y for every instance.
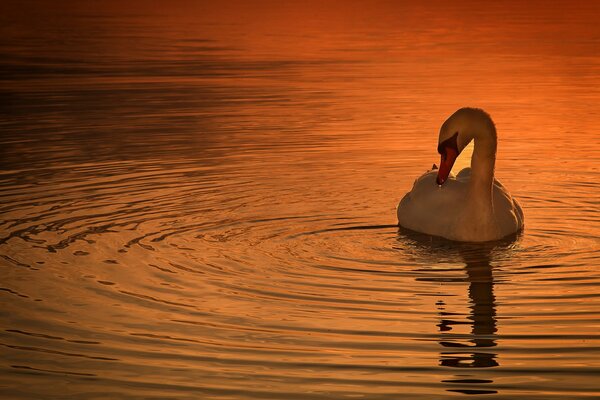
(450, 143)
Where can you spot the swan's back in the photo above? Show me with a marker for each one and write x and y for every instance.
(436, 210)
(426, 207)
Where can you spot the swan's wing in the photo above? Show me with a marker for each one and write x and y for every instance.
(518, 212)
(464, 174)
(506, 208)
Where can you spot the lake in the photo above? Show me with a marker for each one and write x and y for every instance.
(198, 200)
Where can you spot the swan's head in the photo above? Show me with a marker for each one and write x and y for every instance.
(457, 132)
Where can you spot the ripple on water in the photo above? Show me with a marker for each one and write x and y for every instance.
(150, 272)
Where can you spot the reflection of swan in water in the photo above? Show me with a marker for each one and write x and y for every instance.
(483, 317)
(473, 207)
(474, 350)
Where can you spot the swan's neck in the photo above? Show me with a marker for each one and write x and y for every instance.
(482, 170)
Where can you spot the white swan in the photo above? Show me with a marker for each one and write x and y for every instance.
(473, 206)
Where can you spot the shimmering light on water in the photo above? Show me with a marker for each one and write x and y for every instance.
(198, 200)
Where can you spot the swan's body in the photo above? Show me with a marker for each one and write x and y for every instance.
(473, 206)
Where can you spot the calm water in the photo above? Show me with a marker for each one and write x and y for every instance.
(199, 201)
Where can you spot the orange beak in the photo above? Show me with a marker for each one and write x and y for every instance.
(449, 152)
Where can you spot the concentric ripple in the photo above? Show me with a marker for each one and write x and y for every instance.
(185, 278)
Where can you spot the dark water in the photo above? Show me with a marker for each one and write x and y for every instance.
(198, 201)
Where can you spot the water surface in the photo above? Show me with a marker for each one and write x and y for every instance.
(198, 201)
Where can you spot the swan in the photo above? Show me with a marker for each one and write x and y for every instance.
(473, 206)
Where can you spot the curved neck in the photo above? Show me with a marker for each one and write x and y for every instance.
(482, 167)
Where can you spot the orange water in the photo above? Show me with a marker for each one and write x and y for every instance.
(198, 200)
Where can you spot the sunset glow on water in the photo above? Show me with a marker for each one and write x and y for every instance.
(198, 200)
